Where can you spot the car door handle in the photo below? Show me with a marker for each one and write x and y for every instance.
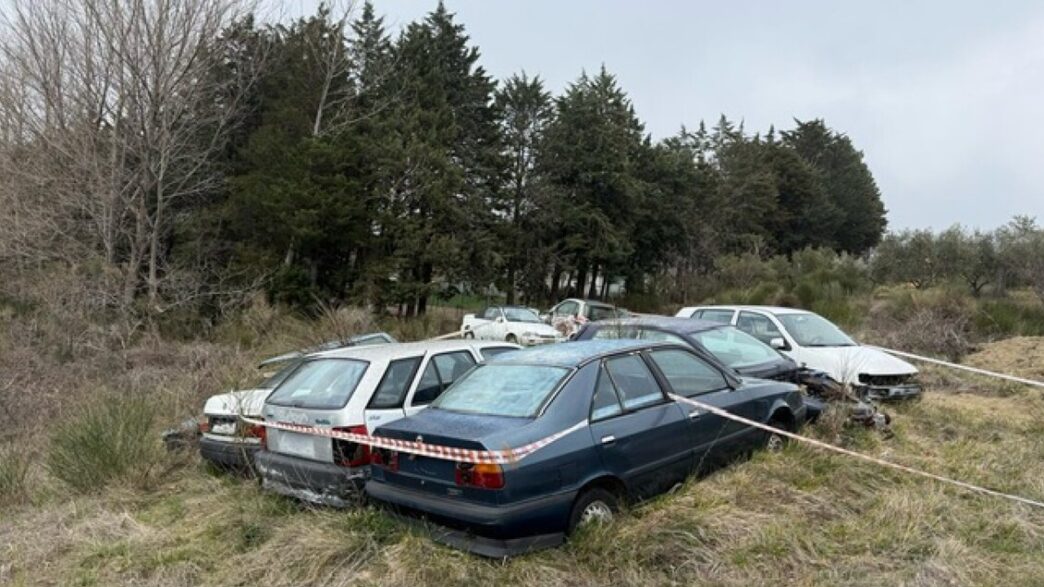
(695, 414)
(608, 439)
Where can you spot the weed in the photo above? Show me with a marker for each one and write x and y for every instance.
(111, 439)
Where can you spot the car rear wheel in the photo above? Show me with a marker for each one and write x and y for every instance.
(594, 506)
(469, 334)
(512, 339)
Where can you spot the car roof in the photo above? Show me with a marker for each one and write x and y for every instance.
(769, 309)
(572, 354)
(686, 325)
(405, 349)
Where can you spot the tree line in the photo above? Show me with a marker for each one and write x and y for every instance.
(189, 152)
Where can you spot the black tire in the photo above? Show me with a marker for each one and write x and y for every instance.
(469, 334)
(587, 505)
(776, 442)
(512, 339)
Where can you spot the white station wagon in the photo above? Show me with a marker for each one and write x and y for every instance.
(816, 343)
(355, 390)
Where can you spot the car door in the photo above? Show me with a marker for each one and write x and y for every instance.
(498, 328)
(642, 437)
(717, 439)
(386, 404)
(438, 373)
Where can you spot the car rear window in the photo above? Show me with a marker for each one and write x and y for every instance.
(736, 348)
(320, 384)
(502, 390)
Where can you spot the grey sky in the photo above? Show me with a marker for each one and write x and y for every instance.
(946, 99)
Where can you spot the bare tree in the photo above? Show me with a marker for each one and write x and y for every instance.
(114, 112)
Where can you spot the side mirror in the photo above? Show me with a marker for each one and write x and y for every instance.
(778, 343)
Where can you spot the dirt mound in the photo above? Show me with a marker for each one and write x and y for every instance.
(1022, 356)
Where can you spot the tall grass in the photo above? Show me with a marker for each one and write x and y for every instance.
(112, 439)
(14, 474)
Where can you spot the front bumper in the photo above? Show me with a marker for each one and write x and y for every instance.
(485, 530)
(311, 481)
(889, 392)
(228, 453)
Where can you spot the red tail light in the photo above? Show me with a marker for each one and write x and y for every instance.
(487, 476)
(382, 457)
(204, 426)
(257, 431)
(350, 454)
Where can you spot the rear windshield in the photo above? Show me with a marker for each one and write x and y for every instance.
(502, 390)
(735, 348)
(322, 384)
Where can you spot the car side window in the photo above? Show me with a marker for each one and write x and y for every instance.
(758, 326)
(687, 374)
(452, 365)
(722, 316)
(441, 372)
(566, 309)
(634, 382)
(606, 402)
(393, 386)
(429, 387)
(661, 336)
(612, 331)
(490, 352)
(489, 314)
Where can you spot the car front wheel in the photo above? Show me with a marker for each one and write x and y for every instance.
(594, 506)
(512, 339)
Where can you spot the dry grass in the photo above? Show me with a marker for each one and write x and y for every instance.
(800, 517)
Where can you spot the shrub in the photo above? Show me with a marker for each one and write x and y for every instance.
(14, 471)
(112, 439)
(1007, 317)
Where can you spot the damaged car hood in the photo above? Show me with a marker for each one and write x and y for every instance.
(845, 364)
(237, 403)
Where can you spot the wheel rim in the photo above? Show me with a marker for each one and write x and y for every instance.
(596, 512)
(775, 443)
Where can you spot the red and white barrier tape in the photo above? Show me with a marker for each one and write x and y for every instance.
(830, 447)
(448, 453)
(959, 366)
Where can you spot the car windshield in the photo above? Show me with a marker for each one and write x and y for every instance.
(735, 348)
(521, 315)
(812, 330)
(321, 384)
(502, 390)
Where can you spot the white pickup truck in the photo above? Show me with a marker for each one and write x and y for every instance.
(514, 324)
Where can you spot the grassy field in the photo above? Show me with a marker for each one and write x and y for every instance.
(799, 517)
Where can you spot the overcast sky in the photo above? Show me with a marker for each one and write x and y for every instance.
(945, 99)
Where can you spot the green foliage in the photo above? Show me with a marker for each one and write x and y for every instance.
(1006, 317)
(111, 439)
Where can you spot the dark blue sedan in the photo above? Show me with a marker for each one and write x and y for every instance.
(631, 440)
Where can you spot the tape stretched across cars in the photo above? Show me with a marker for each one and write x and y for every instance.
(448, 453)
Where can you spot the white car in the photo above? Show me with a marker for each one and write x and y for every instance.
(356, 390)
(570, 314)
(224, 440)
(816, 343)
(514, 324)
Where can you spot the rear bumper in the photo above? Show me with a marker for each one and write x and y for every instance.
(235, 455)
(319, 483)
(890, 392)
(490, 531)
(538, 340)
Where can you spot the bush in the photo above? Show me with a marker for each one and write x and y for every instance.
(1007, 317)
(14, 470)
(112, 439)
